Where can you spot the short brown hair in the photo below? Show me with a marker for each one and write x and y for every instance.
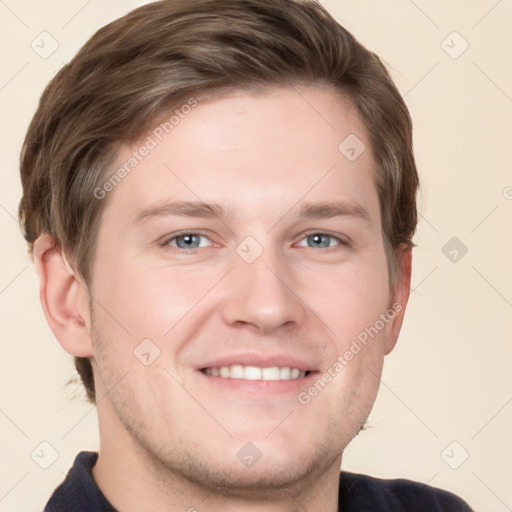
(139, 67)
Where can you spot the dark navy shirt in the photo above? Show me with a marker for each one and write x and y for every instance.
(358, 493)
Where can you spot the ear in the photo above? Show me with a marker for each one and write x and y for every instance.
(399, 296)
(64, 298)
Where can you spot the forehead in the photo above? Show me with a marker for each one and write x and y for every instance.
(253, 153)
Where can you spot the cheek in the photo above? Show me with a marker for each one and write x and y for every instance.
(152, 315)
(150, 300)
(350, 302)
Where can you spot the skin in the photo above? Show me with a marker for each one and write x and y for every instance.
(169, 434)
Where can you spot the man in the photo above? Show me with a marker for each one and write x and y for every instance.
(220, 200)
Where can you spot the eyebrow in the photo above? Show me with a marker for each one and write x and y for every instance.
(333, 209)
(201, 209)
(181, 209)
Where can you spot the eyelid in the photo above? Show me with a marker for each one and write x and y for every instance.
(339, 237)
(166, 241)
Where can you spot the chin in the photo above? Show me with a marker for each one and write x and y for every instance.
(270, 474)
(247, 469)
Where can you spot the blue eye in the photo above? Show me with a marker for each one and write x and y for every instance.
(188, 241)
(320, 240)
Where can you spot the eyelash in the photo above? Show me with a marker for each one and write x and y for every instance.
(342, 241)
(168, 241)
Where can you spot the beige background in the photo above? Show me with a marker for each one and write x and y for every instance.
(449, 378)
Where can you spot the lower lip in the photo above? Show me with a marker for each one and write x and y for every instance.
(261, 386)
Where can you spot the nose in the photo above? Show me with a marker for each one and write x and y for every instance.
(263, 295)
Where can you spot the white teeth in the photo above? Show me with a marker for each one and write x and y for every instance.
(238, 371)
(251, 373)
(270, 373)
(284, 373)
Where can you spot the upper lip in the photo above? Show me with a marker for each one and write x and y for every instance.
(258, 360)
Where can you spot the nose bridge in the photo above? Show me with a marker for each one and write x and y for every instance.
(261, 289)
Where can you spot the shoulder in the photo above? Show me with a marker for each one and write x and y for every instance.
(362, 492)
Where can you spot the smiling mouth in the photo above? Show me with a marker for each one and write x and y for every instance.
(239, 371)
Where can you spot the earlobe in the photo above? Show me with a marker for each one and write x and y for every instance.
(63, 297)
(399, 296)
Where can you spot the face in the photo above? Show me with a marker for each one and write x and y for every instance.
(238, 265)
